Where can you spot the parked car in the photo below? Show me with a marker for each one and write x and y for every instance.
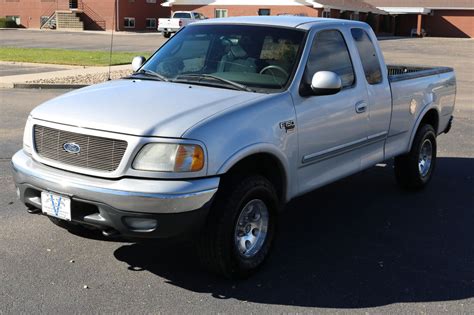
(226, 123)
(178, 20)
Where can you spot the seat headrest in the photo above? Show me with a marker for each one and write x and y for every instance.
(238, 52)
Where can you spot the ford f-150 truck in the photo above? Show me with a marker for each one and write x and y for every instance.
(224, 124)
(179, 20)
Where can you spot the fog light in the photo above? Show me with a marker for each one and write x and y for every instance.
(18, 192)
(141, 224)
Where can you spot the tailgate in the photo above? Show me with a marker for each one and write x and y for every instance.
(169, 23)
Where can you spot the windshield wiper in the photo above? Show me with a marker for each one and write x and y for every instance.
(233, 84)
(152, 74)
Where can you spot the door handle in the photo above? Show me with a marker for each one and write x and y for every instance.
(361, 107)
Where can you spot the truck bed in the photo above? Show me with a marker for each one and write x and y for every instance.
(416, 88)
(402, 72)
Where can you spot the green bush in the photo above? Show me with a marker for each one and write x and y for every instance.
(7, 23)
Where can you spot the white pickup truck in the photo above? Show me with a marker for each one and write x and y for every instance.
(178, 20)
(228, 121)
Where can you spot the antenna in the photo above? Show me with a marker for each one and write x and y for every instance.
(114, 25)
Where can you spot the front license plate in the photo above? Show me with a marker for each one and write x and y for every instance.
(56, 205)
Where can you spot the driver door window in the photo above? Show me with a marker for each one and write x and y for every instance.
(329, 53)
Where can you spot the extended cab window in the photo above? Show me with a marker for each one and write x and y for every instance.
(368, 56)
(329, 53)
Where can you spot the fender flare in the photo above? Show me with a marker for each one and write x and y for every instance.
(422, 115)
(256, 148)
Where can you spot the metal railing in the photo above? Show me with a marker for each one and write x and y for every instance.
(91, 18)
(49, 22)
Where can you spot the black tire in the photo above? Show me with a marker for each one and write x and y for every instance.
(216, 247)
(407, 171)
(167, 35)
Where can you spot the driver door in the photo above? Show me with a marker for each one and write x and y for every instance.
(331, 128)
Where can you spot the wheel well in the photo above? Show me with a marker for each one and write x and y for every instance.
(431, 118)
(263, 164)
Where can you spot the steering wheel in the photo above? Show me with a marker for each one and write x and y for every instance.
(276, 68)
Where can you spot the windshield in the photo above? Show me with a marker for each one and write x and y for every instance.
(256, 57)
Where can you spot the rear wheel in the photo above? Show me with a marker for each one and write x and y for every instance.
(167, 34)
(240, 229)
(414, 170)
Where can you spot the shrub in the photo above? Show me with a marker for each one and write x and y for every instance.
(7, 23)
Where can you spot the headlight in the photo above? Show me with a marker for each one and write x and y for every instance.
(168, 157)
(28, 136)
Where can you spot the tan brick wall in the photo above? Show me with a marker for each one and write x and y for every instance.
(247, 10)
(30, 11)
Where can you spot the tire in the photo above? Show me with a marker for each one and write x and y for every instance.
(167, 35)
(234, 250)
(413, 171)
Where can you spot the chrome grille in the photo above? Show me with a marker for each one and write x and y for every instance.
(96, 153)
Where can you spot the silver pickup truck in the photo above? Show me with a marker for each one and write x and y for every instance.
(223, 125)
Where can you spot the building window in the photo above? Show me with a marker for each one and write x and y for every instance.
(221, 13)
(150, 1)
(150, 23)
(129, 22)
(263, 11)
(326, 14)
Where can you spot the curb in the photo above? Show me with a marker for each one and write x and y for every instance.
(48, 86)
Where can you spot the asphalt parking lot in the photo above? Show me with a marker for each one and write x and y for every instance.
(357, 246)
(139, 42)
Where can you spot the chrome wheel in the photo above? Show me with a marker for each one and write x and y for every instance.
(251, 228)
(425, 157)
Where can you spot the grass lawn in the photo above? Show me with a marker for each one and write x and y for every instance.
(66, 57)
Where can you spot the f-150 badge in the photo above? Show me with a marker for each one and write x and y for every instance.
(287, 125)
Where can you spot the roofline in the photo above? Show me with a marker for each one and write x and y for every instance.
(313, 3)
(419, 10)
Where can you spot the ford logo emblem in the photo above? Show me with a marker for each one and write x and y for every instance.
(71, 147)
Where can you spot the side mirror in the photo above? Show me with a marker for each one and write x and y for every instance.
(138, 62)
(326, 83)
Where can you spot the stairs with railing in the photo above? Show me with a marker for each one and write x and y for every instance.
(92, 20)
(48, 18)
(68, 20)
(80, 17)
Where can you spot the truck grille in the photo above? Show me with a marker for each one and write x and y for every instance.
(95, 153)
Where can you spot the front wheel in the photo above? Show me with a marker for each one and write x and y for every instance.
(240, 229)
(167, 34)
(414, 170)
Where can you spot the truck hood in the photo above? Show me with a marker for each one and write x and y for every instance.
(140, 107)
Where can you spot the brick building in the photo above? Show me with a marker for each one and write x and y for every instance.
(132, 15)
(346, 9)
(442, 18)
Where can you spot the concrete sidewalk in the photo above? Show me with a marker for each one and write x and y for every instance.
(22, 79)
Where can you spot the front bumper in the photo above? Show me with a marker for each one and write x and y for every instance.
(176, 205)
